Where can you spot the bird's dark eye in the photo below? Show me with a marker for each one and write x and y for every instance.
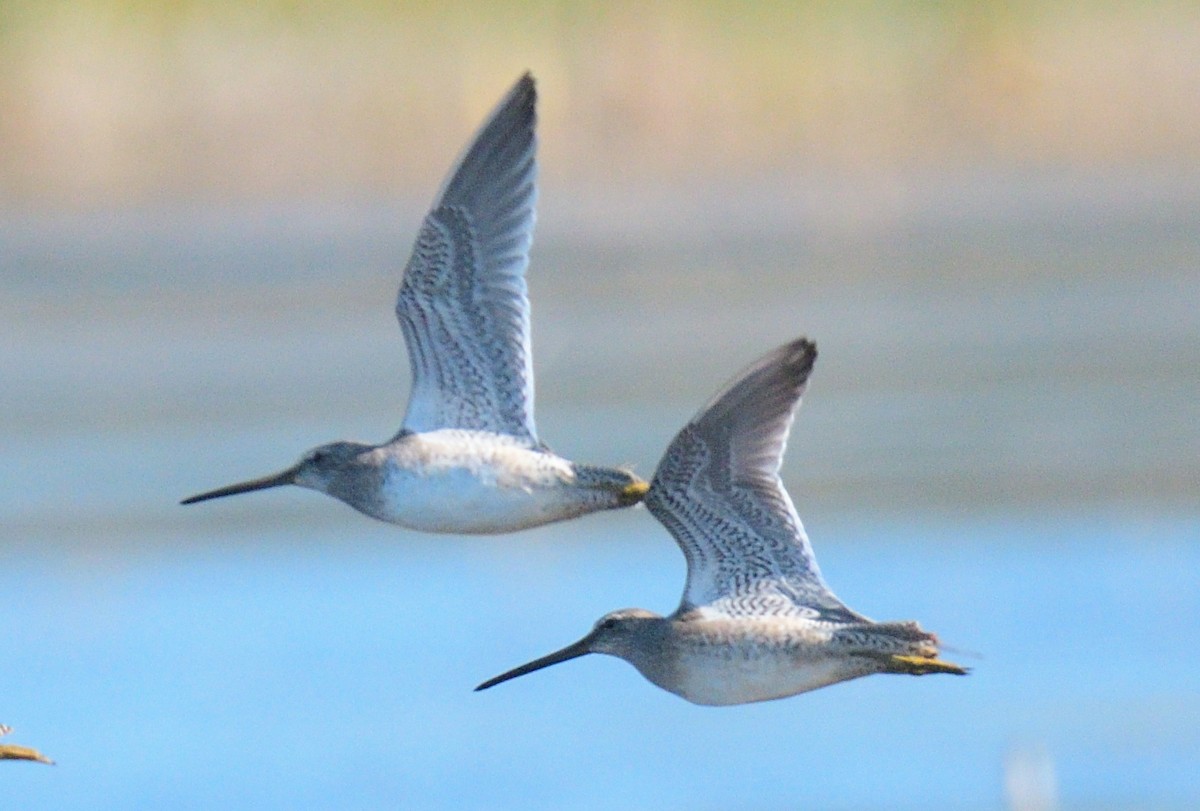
(608, 623)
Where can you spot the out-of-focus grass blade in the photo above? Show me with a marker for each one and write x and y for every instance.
(10, 751)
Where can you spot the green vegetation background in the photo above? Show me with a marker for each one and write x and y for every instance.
(106, 102)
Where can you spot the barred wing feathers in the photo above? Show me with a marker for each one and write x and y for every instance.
(463, 305)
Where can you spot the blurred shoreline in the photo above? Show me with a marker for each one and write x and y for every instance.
(989, 342)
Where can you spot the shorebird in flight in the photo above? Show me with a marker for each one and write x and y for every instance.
(468, 458)
(756, 621)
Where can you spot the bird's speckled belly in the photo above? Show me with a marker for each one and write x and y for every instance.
(726, 677)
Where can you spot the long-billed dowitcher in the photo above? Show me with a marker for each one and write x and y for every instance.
(467, 459)
(756, 621)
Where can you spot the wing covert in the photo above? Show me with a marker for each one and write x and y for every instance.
(463, 305)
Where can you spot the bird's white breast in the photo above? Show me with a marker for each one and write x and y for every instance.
(455, 481)
(741, 682)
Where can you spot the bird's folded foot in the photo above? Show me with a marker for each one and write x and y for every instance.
(922, 665)
(633, 493)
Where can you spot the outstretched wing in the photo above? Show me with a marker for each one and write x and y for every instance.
(463, 305)
(717, 490)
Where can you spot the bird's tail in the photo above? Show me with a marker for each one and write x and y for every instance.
(907, 648)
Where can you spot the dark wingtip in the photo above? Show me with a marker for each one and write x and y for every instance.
(525, 89)
(770, 387)
(802, 353)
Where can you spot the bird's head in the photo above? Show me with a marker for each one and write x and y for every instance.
(616, 633)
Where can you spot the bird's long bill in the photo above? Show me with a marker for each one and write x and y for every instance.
(573, 651)
(274, 480)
